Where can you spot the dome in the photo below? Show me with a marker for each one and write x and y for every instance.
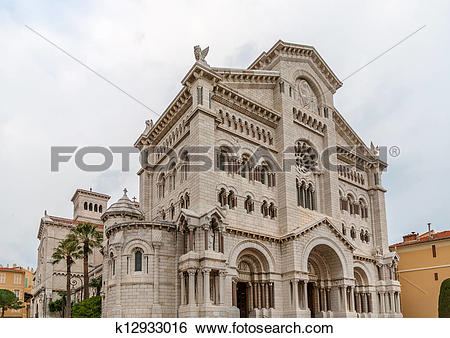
(123, 207)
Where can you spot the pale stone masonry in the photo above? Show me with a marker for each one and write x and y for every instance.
(243, 238)
(50, 279)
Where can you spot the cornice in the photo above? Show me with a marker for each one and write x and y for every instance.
(234, 100)
(248, 76)
(197, 71)
(170, 116)
(169, 226)
(294, 51)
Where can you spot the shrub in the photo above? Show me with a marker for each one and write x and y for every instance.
(88, 308)
(444, 299)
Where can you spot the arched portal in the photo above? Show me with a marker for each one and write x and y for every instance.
(363, 298)
(322, 295)
(253, 291)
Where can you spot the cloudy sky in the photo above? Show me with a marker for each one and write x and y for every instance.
(146, 47)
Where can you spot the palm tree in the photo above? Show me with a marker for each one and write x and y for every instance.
(68, 250)
(88, 237)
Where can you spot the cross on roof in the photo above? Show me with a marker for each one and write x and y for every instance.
(134, 199)
(125, 191)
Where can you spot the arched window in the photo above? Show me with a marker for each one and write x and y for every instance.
(187, 200)
(353, 233)
(182, 205)
(263, 175)
(172, 212)
(85, 205)
(344, 231)
(163, 214)
(272, 211)
(185, 166)
(361, 235)
(265, 209)
(249, 205)
(138, 260)
(95, 207)
(363, 208)
(222, 197)
(113, 264)
(244, 165)
(90, 206)
(351, 204)
(225, 159)
(366, 237)
(161, 186)
(100, 209)
(232, 200)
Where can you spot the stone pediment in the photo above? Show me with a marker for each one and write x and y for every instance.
(325, 221)
(291, 51)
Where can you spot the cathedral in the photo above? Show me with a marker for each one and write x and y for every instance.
(256, 199)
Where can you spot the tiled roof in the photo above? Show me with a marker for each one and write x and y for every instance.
(424, 238)
(71, 221)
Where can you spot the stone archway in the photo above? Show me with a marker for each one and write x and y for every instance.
(321, 292)
(363, 298)
(253, 291)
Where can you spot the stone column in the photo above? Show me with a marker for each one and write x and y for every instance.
(183, 291)
(271, 295)
(263, 295)
(344, 298)
(398, 303)
(205, 231)
(294, 293)
(191, 238)
(305, 294)
(156, 247)
(234, 292)
(328, 295)
(352, 298)
(386, 302)
(206, 287)
(200, 293)
(255, 295)
(222, 274)
(364, 303)
(191, 273)
(357, 302)
(392, 301)
(250, 295)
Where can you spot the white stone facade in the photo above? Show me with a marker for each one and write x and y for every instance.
(50, 279)
(248, 236)
(242, 238)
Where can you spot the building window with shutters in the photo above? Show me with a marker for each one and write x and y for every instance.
(17, 278)
(433, 250)
(436, 276)
(2, 278)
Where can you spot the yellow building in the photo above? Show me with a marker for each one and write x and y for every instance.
(19, 281)
(424, 265)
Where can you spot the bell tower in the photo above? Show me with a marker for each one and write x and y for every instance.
(88, 205)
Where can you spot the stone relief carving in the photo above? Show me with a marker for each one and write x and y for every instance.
(307, 97)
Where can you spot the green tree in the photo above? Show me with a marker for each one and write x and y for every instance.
(68, 250)
(59, 304)
(444, 299)
(88, 237)
(88, 308)
(97, 284)
(8, 300)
